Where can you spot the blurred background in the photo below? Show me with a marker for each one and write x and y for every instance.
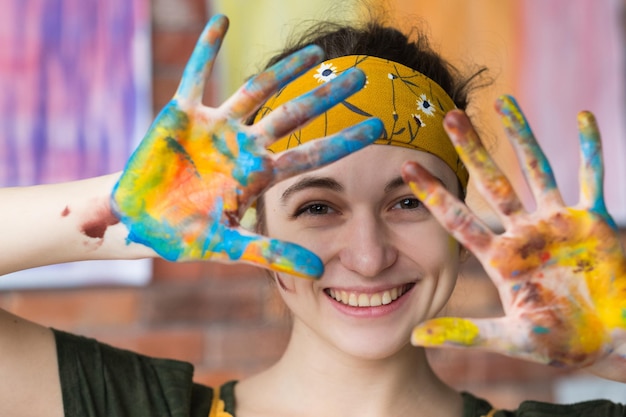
(82, 79)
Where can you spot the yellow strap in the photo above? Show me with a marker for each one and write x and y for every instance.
(216, 410)
(217, 405)
(215, 402)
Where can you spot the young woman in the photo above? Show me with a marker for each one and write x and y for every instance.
(371, 231)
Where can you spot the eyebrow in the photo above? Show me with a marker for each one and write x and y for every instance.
(394, 184)
(398, 182)
(311, 182)
(333, 185)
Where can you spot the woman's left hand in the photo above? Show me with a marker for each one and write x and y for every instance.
(560, 271)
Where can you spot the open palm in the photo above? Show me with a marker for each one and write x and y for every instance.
(199, 168)
(560, 271)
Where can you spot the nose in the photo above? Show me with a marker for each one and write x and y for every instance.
(366, 247)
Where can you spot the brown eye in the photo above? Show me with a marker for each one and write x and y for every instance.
(316, 209)
(409, 204)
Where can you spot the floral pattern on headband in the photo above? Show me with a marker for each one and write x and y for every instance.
(425, 105)
(410, 105)
(325, 73)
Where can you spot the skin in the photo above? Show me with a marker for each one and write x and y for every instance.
(185, 189)
(372, 235)
(560, 271)
(181, 196)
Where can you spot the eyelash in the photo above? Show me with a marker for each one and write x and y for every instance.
(413, 200)
(306, 209)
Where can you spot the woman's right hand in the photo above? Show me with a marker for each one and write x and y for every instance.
(186, 187)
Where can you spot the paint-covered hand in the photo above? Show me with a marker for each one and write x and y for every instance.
(198, 169)
(560, 271)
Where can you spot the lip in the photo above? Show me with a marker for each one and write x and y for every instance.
(369, 311)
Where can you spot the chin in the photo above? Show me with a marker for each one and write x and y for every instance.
(372, 345)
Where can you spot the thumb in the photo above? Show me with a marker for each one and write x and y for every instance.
(447, 331)
(503, 335)
(239, 245)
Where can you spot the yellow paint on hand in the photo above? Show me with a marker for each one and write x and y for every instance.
(446, 330)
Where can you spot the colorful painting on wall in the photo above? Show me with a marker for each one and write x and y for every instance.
(76, 99)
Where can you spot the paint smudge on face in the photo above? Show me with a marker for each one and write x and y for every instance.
(97, 226)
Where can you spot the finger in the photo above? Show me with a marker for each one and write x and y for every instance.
(238, 245)
(488, 178)
(533, 162)
(502, 335)
(453, 214)
(300, 110)
(260, 87)
(200, 63)
(316, 153)
(591, 171)
(450, 331)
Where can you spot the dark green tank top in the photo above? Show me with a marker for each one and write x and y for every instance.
(98, 380)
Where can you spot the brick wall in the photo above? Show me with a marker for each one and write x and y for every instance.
(226, 319)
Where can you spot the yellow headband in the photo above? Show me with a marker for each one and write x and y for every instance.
(410, 105)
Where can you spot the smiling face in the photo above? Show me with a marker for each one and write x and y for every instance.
(389, 265)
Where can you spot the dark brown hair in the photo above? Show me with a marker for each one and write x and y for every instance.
(375, 39)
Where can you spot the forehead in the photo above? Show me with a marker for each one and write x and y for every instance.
(372, 168)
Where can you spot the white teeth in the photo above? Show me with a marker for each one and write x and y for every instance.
(364, 300)
(375, 300)
(387, 297)
(368, 300)
(352, 300)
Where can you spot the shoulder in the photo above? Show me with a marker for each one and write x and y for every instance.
(79, 350)
(95, 376)
(595, 408)
(223, 400)
(478, 407)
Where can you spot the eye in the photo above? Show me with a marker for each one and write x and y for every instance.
(314, 209)
(408, 204)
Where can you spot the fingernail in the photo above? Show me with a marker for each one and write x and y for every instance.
(456, 121)
(586, 120)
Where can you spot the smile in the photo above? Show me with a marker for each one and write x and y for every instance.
(356, 299)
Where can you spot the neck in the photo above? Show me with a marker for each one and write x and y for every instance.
(399, 384)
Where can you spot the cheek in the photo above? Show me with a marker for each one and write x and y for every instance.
(286, 284)
(431, 246)
(291, 287)
(296, 294)
(450, 258)
(448, 272)
(450, 248)
(277, 227)
(438, 254)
